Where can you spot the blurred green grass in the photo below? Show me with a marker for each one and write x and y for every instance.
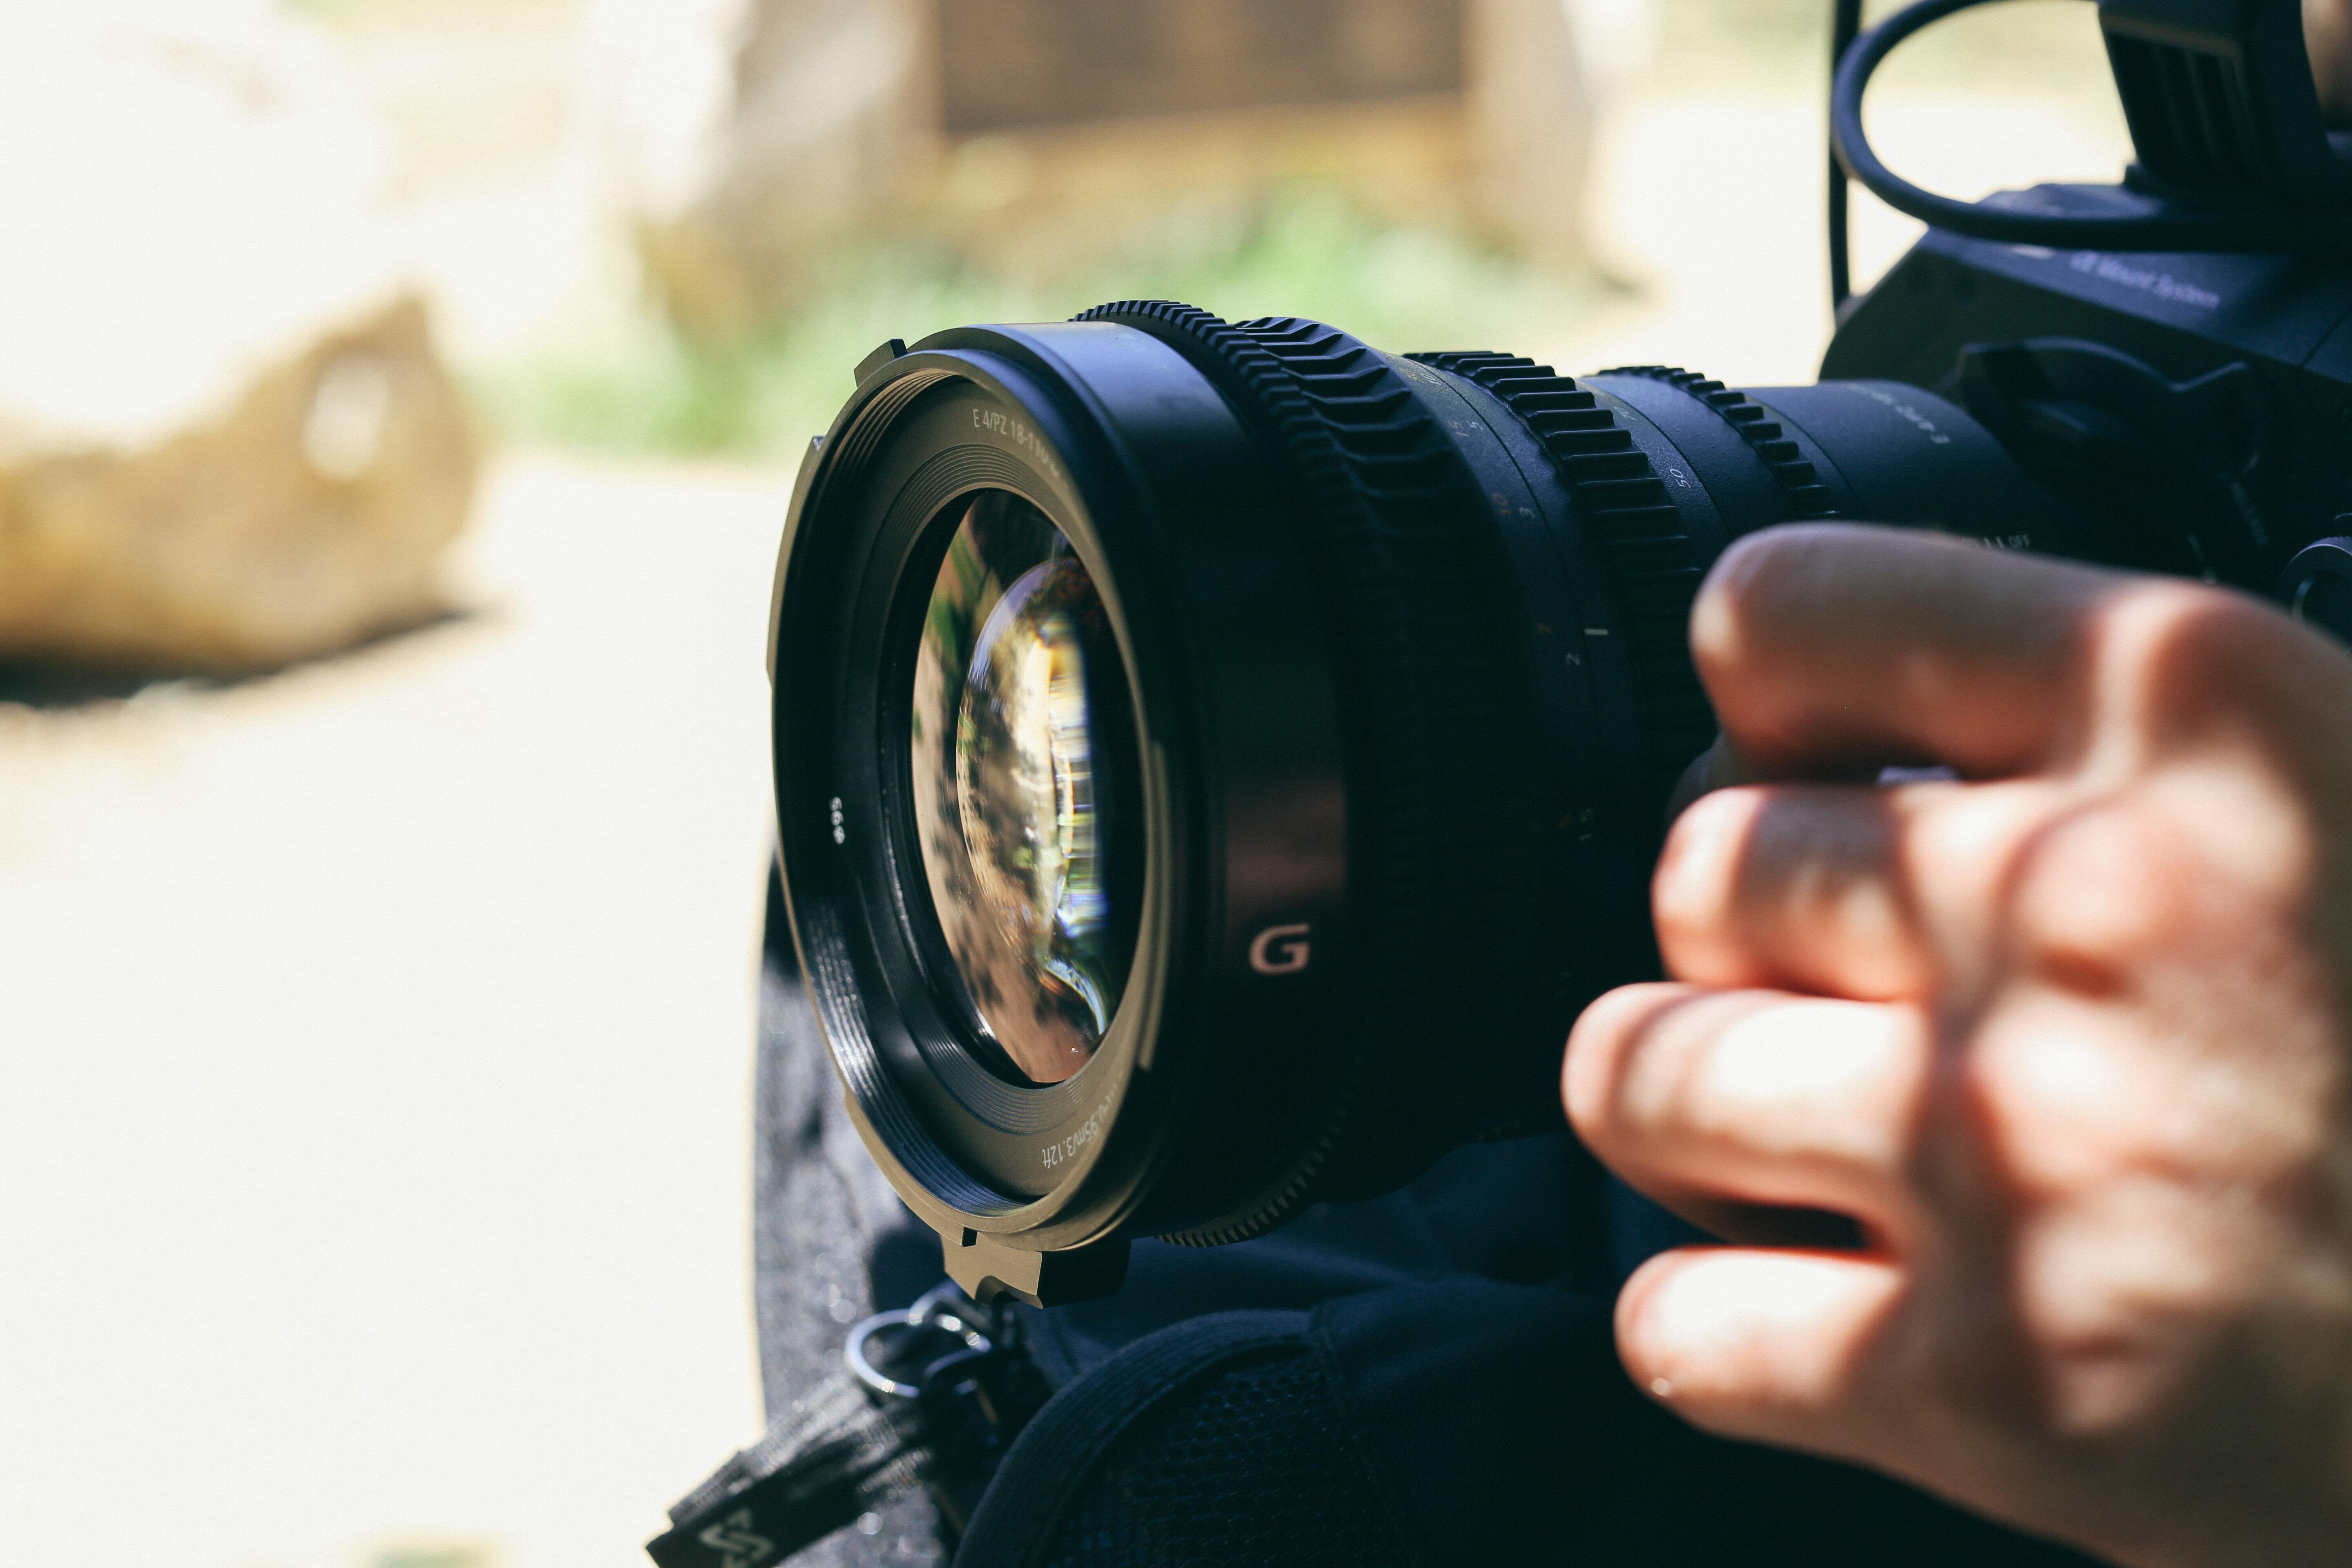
(640, 387)
(646, 388)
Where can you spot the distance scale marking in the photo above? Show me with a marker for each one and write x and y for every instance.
(1066, 1149)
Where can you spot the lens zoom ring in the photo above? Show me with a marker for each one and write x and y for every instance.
(1799, 482)
(1654, 567)
(1445, 764)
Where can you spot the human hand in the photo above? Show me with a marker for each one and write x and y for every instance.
(2067, 1037)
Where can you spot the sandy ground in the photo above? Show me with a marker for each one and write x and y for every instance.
(372, 1152)
(376, 1036)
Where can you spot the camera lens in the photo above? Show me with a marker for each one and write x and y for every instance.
(1216, 762)
(1019, 738)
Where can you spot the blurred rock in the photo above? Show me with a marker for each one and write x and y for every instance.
(225, 439)
(303, 517)
(738, 136)
(1540, 74)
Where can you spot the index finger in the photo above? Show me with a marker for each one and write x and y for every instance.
(1831, 649)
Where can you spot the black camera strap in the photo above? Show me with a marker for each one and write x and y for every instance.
(926, 1397)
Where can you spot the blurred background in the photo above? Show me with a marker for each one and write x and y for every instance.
(398, 401)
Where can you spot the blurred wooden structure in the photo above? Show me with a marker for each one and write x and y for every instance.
(1031, 131)
(1008, 65)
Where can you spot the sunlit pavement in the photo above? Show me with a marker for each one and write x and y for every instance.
(372, 1143)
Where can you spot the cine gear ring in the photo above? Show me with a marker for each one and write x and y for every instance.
(1215, 762)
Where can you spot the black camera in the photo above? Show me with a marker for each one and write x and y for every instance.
(1216, 762)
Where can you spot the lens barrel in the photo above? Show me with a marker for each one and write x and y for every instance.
(1215, 763)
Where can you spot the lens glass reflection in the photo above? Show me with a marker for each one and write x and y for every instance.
(1023, 752)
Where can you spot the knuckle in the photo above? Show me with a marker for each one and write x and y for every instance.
(2103, 885)
(2205, 865)
(1598, 1050)
(2173, 650)
(1642, 1343)
(1751, 579)
(1691, 886)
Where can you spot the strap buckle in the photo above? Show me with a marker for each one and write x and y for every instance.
(929, 1398)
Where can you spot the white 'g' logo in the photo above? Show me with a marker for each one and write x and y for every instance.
(1279, 950)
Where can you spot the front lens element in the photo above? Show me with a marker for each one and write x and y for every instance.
(1023, 760)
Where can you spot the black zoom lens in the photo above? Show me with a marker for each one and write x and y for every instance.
(1215, 763)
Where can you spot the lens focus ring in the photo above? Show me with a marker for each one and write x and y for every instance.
(1799, 482)
(1444, 799)
(1655, 566)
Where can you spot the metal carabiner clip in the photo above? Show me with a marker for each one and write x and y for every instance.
(942, 1311)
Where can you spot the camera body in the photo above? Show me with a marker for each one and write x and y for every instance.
(2193, 411)
(1216, 762)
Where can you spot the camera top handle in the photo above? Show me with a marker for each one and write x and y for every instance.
(2234, 153)
(1846, 25)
